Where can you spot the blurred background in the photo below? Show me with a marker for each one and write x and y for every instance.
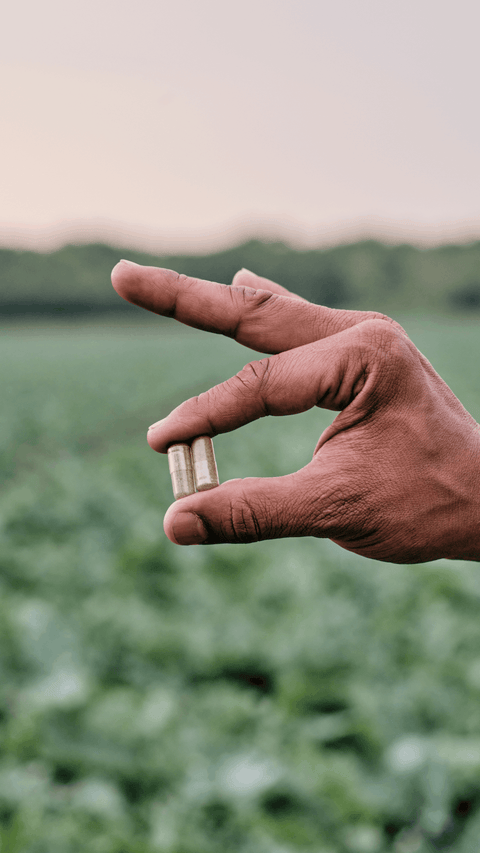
(280, 697)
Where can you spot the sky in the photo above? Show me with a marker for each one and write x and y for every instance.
(194, 124)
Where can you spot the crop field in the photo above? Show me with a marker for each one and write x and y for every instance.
(280, 697)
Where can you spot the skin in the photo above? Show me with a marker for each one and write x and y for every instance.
(395, 477)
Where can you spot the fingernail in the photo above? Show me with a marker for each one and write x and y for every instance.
(156, 424)
(189, 529)
(130, 263)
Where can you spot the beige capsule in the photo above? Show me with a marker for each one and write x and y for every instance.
(204, 464)
(181, 470)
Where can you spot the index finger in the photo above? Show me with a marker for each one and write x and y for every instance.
(258, 318)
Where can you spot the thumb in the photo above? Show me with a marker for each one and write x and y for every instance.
(244, 510)
(352, 371)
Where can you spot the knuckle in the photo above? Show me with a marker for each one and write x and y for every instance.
(254, 299)
(250, 305)
(255, 373)
(386, 341)
(384, 318)
(183, 283)
(252, 379)
(204, 406)
(244, 524)
(245, 392)
(331, 320)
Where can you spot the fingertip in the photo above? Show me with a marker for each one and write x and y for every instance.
(184, 527)
(116, 272)
(244, 278)
(197, 519)
(153, 437)
(168, 522)
(122, 265)
(120, 273)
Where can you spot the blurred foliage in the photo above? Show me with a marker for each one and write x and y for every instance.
(366, 275)
(282, 697)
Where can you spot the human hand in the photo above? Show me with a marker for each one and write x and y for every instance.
(395, 477)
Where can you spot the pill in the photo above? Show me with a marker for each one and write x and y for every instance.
(181, 470)
(204, 465)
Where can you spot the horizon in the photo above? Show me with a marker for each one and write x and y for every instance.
(46, 241)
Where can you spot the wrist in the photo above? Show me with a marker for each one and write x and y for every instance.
(465, 532)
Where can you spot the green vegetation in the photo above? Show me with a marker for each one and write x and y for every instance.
(366, 275)
(282, 697)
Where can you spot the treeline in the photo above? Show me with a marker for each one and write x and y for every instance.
(364, 275)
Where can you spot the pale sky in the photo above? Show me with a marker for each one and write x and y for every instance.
(189, 125)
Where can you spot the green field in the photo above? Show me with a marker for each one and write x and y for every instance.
(281, 697)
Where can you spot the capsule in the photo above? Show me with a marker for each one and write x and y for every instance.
(181, 470)
(204, 465)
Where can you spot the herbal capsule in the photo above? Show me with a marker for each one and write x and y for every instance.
(181, 470)
(204, 465)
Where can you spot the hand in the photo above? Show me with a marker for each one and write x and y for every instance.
(395, 477)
